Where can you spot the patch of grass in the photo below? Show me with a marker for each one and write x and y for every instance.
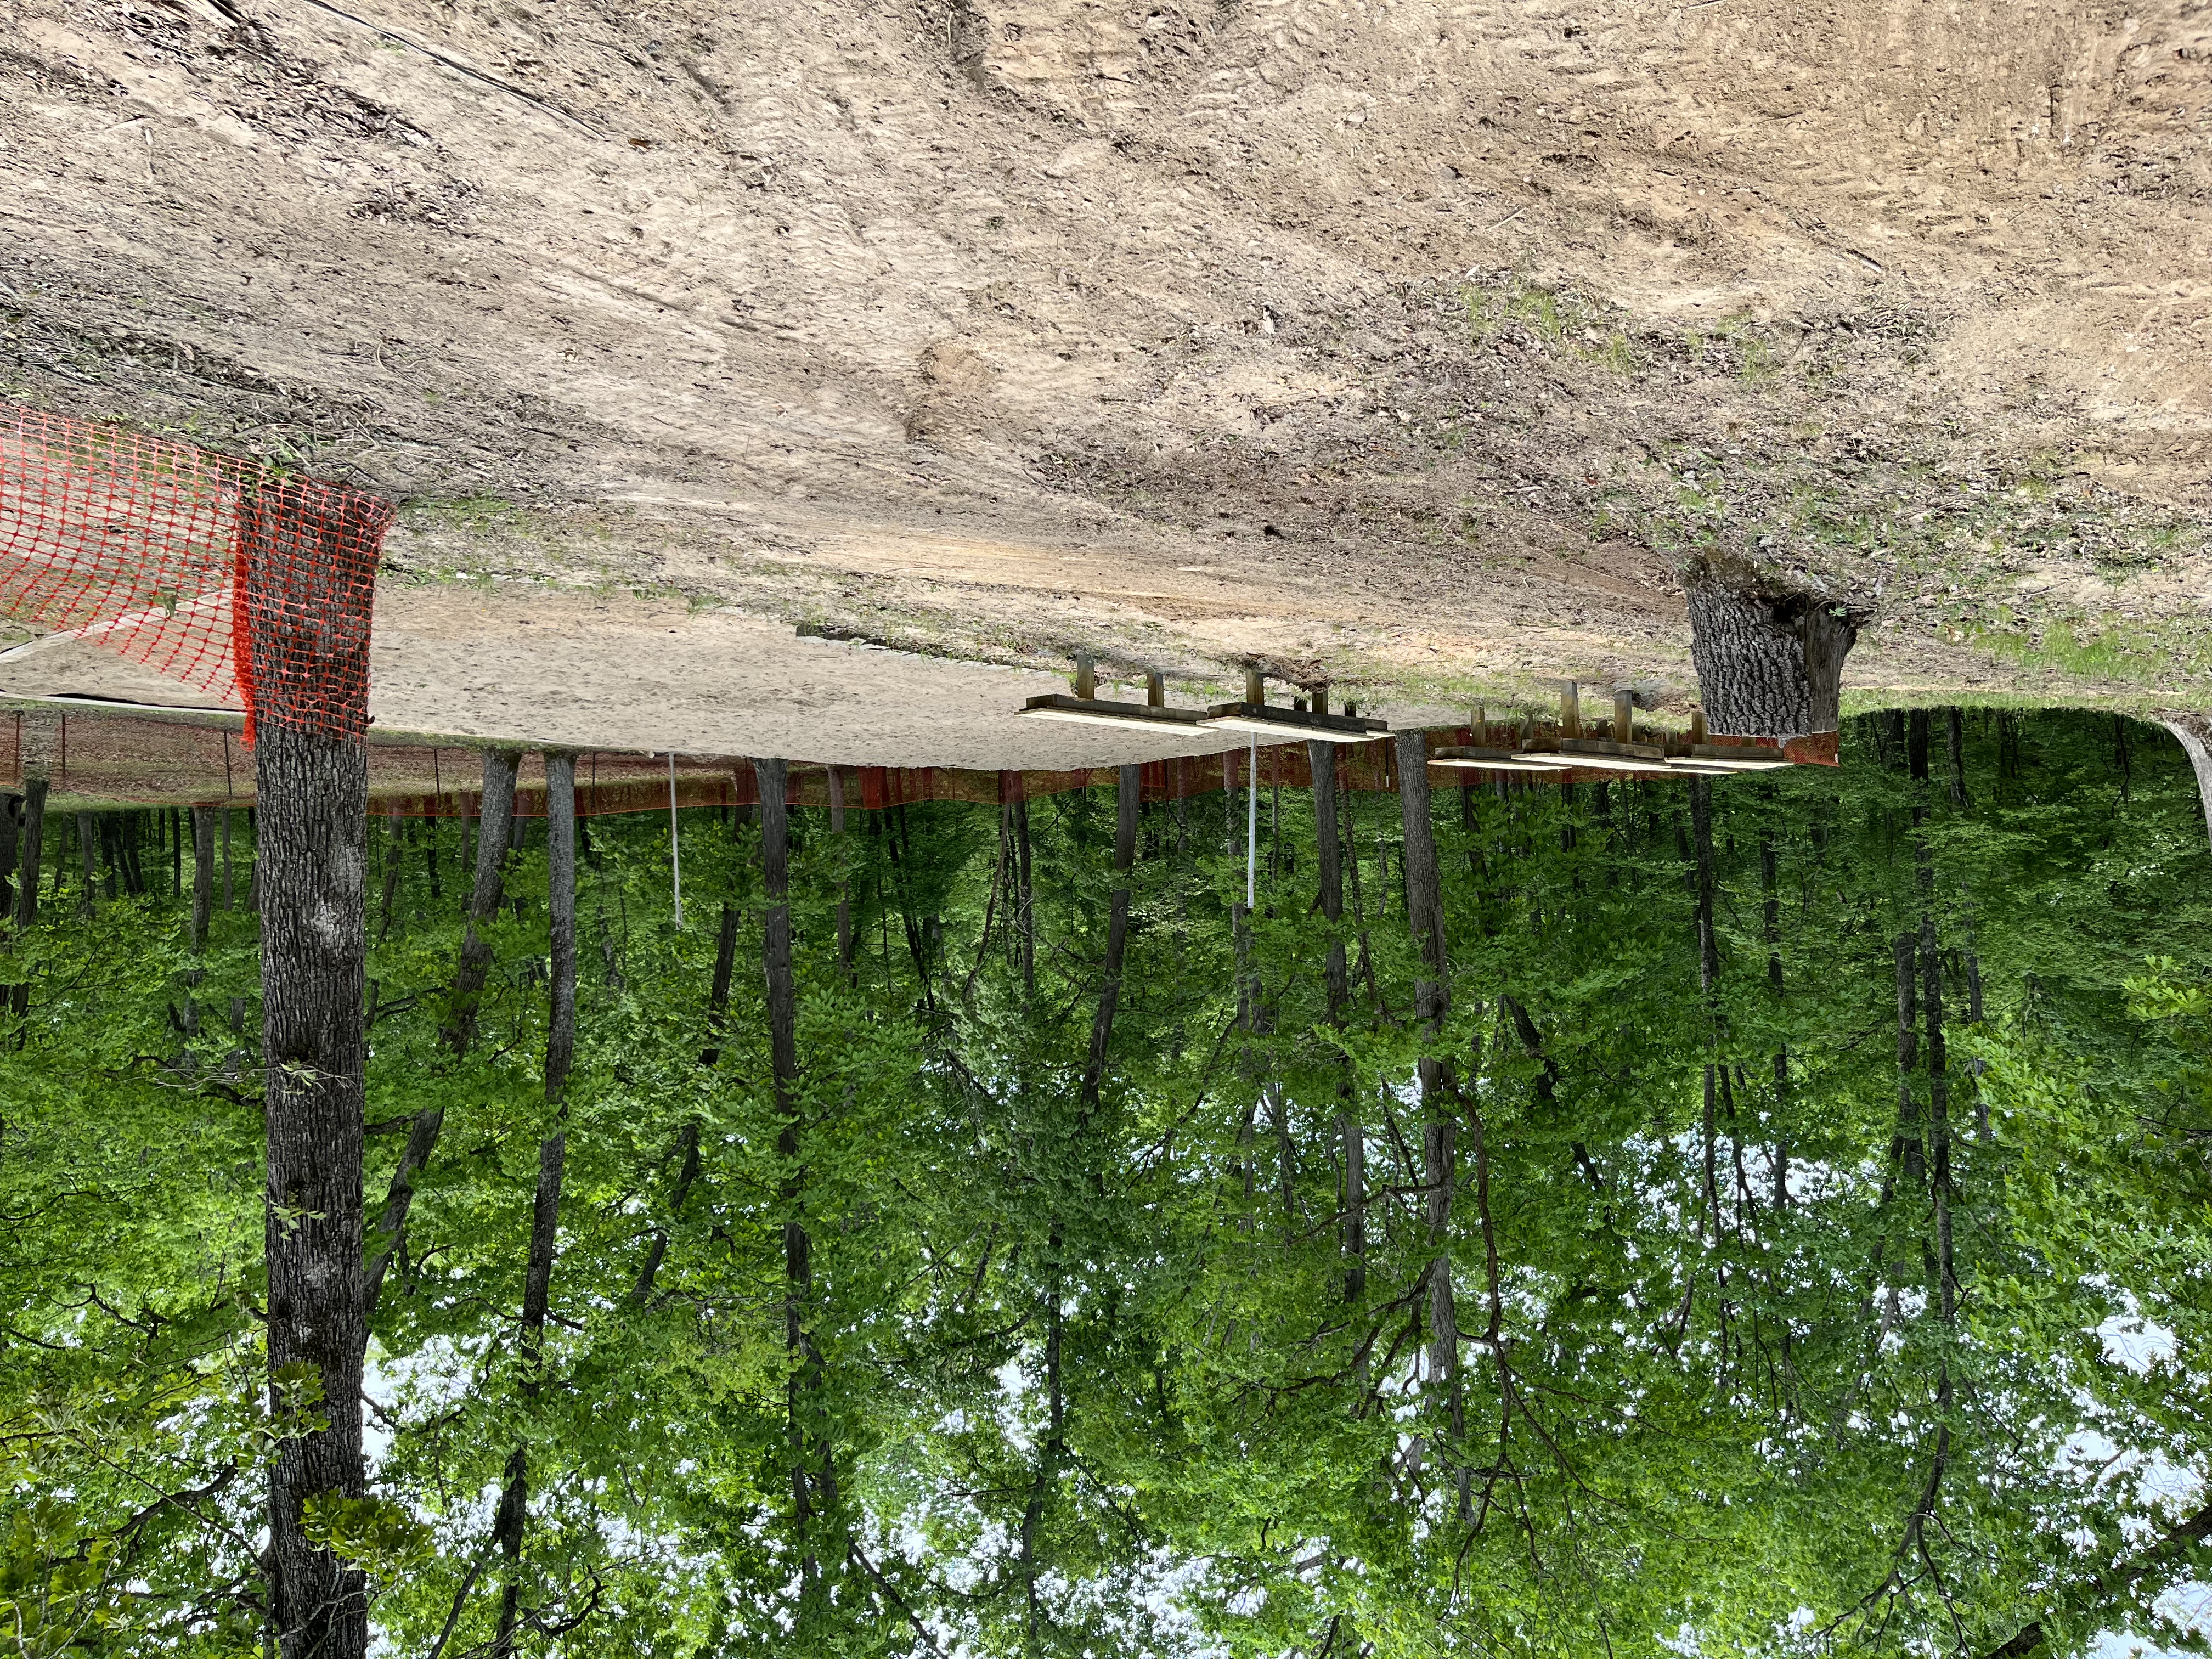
(2163, 659)
(1562, 321)
(475, 513)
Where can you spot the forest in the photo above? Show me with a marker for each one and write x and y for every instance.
(1758, 1216)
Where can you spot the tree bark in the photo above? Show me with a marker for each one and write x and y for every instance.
(1955, 730)
(305, 593)
(1769, 665)
(313, 791)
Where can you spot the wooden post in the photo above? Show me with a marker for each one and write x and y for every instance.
(1624, 717)
(1697, 725)
(1156, 690)
(1570, 709)
(1256, 686)
(1086, 677)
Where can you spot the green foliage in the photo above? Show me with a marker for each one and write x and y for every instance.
(1079, 1368)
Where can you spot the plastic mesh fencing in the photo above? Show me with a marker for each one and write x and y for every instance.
(223, 575)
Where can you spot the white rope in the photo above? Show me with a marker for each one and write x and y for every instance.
(675, 847)
(1251, 819)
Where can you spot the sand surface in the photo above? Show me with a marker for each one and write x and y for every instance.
(1409, 346)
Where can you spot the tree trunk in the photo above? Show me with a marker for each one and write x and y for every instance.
(2194, 733)
(313, 791)
(305, 595)
(1127, 797)
(552, 1157)
(844, 883)
(33, 847)
(1955, 730)
(802, 1388)
(1328, 846)
(1431, 1003)
(496, 829)
(1769, 665)
(202, 874)
(84, 838)
(11, 830)
(1028, 898)
(1910, 1150)
(17, 998)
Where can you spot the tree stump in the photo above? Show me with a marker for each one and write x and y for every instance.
(1770, 664)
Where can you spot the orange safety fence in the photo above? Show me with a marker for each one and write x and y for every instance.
(223, 574)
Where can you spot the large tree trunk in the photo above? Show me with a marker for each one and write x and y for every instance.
(306, 596)
(552, 1157)
(313, 791)
(1769, 665)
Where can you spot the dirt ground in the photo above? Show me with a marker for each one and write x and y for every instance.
(1407, 346)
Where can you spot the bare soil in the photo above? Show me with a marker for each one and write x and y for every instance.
(1411, 347)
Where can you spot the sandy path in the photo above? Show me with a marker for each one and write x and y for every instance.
(613, 673)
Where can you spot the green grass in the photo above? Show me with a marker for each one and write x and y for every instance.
(1562, 322)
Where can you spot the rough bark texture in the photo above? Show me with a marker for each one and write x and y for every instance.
(313, 794)
(1769, 665)
(306, 626)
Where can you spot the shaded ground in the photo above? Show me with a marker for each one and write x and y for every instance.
(1406, 346)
